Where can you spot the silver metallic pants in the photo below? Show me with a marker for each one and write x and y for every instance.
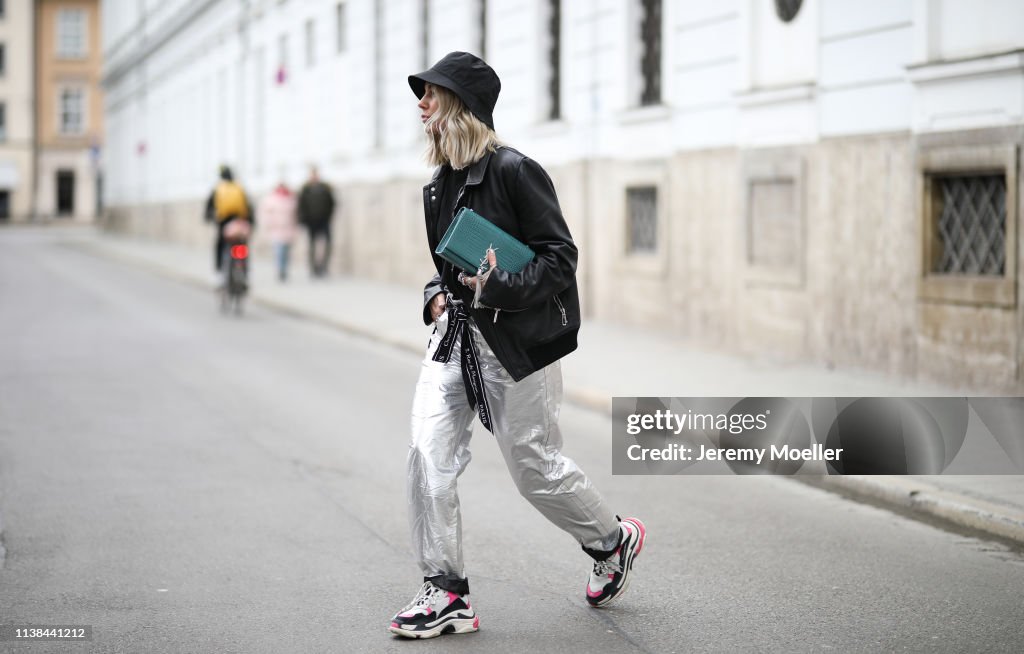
(524, 416)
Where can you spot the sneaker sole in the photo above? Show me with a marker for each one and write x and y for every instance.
(459, 626)
(642, 531)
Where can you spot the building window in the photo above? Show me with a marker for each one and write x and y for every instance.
(3, 122)
(650, 58)
(72, 107)
(787, 10)
(259, 107)
(3, 59)
(642, 212)
(3, 8)
(378, 73)
(774, 243)
(425, 33)
(282, 60)
(71, 27)
(5, 204)
(340, 27)
(483, 29)
(554, 60)
(970, 225)
(774, 238)
(310, 43)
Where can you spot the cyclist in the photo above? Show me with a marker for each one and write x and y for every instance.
(228, 203)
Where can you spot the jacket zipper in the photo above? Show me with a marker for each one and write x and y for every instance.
(565, 321)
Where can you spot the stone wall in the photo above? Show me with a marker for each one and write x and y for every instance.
(803, 253)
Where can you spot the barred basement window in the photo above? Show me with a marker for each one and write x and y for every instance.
(650, 61)
(642, 214)
(969, 217)
(970, 224)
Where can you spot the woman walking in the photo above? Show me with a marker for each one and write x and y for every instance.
(495, 353)
(277, 213)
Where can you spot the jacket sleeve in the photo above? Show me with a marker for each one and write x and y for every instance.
(543, 228)
(433, 287)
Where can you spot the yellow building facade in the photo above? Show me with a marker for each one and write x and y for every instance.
(69, 109)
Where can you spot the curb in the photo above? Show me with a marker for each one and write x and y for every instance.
(918, 497)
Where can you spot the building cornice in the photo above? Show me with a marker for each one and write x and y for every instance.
(987, 64)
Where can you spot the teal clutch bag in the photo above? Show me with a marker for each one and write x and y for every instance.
(469, 236)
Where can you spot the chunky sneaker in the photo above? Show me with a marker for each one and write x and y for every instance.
(433, 612)
(611, 576)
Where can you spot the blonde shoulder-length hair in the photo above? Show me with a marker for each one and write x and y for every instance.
(454, 135)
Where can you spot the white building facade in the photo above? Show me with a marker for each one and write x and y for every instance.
(823, 180)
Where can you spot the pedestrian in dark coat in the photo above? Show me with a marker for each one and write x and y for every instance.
(316, 209)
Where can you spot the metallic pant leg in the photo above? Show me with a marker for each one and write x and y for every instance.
(438, 453)
(525, 416)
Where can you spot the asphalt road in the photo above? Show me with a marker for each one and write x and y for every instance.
(187, 482)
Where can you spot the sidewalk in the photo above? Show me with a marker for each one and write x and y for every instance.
(655, 365)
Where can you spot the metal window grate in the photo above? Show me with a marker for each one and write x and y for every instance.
(642, 210)
(971, 225)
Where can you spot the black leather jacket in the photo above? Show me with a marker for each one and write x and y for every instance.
(533, 316)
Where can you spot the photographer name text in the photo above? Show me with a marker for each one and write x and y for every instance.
(675, 452)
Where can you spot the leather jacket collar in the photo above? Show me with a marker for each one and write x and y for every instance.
(476, 170)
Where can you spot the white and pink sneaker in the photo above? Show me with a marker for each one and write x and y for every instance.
(610, 577)
(433, 612)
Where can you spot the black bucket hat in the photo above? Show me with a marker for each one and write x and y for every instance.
(467, 76)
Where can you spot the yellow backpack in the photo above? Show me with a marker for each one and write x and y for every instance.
(229, 200)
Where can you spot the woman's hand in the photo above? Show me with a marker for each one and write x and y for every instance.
(492, 263)
(437, 306)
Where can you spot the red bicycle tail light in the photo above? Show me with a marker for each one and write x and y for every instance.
(239, 251)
